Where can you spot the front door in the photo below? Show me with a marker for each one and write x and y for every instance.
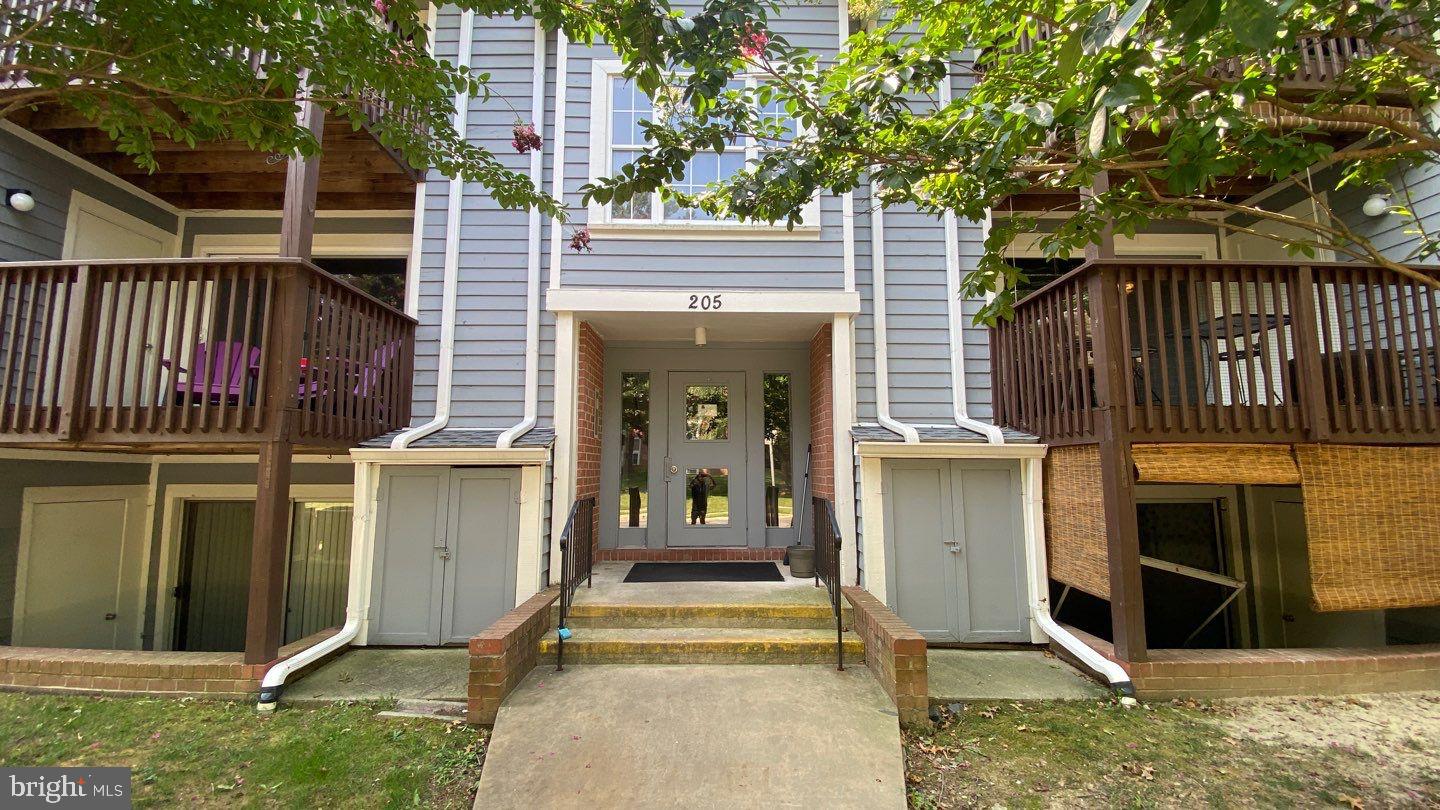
(705, 464)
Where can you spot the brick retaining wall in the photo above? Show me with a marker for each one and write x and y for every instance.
(895, 653)
(504, 654)
(1295, 671)
(138, 672)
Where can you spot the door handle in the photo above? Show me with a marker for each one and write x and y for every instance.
(954, 546)
(110, 617)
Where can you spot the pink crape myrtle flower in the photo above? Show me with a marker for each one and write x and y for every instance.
(753, 42)
(526, 139)
(580, 240)
(381, 7)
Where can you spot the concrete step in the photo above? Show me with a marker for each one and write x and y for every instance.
(702, 645)
(412, 708)
(792, 616)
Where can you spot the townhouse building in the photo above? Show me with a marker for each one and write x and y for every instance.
(249, 403)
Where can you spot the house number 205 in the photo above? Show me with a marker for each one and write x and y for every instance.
(705, 301)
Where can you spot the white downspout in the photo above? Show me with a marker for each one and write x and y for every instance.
(451, 286)
(532, 272)
(417, 227)
(882, 348)
(1033, 519)
(557, 172)
(960, 398)
(357, 602)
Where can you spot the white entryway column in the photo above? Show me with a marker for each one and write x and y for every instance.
(567, 372)
(842, 415)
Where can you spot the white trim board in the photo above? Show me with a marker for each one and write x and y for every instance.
(81, 202)
(172, 523)
(154, 458)
(486, 456)
(866, 450)
(132, 533)
(794, 302)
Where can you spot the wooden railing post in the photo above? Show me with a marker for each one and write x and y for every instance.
(1306, 337)
(1117, 480)
(75, 371)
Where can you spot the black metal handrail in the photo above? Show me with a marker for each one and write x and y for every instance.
(576, 564)
(827, 568)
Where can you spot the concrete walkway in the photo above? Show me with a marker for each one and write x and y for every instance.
(958, 675)
(377, 673)
(731, 736)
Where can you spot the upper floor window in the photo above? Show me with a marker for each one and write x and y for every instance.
(618, 137)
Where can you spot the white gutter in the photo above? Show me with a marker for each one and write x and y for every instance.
(532, 272)
(356, 603)
(882, 347)
(960, 397)
(557, 172)
(451, 285)
(1033, 520)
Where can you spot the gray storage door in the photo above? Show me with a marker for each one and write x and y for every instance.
(953, 536)
(482, 532)
(409, 538)
(445, 548)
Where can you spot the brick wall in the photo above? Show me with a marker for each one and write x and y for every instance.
(1298, 671)
(822, 431)
(504, 654)
(591, 393)
(895, 654)
(140, 672)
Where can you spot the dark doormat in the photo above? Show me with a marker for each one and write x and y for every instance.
(705, 572)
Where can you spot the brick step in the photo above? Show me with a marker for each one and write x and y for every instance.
(702, 645)
(796, 617)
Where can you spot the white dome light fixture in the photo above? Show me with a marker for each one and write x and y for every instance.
(1377, 205)
(20, 199)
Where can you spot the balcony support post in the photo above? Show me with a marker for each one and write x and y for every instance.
(1105, 248)
(265, 616)
(302, 183)
(1117, 478)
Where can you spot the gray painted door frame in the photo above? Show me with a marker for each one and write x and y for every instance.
(422, 555)
(659, 361)
(964, 549)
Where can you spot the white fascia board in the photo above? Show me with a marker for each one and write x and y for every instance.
(452, 455)
(948, 450)
(792, 302)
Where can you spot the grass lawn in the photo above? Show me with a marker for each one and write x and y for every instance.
(1379, 751)
(204, 753)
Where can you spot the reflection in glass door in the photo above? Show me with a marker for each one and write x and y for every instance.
(705, 464)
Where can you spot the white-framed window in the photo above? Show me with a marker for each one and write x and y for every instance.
(617, 109)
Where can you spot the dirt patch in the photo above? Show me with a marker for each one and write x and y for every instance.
(1400, 732)
(1377, 751)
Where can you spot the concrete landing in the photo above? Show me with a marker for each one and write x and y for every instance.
(375, 673)
(730, 736)
(959, 675)
(608, 587)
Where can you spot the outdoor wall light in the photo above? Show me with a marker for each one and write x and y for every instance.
(20, 199)
(700, 337)
(1377, 205)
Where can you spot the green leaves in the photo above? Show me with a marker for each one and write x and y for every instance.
(1255, 23)
(1190, 19)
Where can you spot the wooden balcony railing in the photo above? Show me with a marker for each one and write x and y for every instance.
(191, 351)
(1321, 60)
(1226, 351)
